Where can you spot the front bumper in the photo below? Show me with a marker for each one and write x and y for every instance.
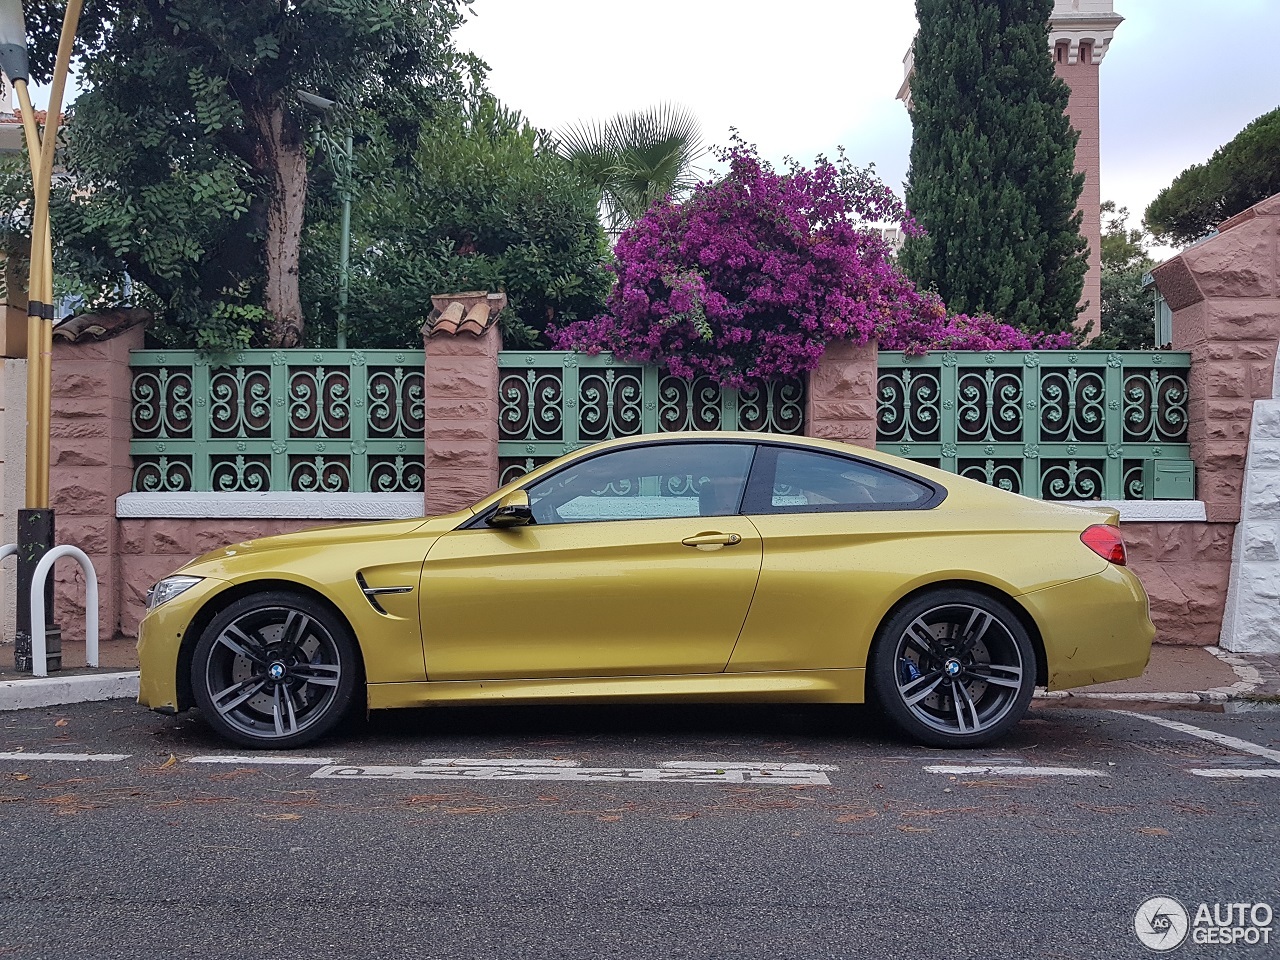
(160, 637)
(1094, 629)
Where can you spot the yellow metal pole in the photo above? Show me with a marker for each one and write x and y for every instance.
(39, 415)
(36, 499)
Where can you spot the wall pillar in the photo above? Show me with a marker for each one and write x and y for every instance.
(841, 403)
(90, 466)
(461, 400)
(1225, 297)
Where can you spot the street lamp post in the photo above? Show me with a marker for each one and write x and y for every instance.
(323, 107)
(35, 523)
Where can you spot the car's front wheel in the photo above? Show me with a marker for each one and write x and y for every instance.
(274, 671)
(953, 668)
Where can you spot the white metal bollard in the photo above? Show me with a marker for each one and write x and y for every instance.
(39, 663)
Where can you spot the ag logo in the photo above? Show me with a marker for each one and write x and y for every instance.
(1161, 923)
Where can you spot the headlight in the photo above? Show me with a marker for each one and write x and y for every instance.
(168, 588)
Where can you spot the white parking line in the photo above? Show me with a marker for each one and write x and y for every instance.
(1015, 770)
(718, 773)
(77, 757)
(711, 765)
(1235, 774)
(259, 760)
(1222, 739)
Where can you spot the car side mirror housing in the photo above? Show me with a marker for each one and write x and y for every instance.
(512, 511)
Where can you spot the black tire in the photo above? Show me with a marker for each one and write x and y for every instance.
(274, 671)
(953, 668)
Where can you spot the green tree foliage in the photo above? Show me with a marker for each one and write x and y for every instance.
(1127, 310)
(635, 158)
(1236, 177)
(482, 203)
(992, 176)
(187, 153)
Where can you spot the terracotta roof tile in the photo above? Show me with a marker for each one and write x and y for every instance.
(472, 312)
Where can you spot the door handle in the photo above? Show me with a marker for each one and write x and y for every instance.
(712, 541)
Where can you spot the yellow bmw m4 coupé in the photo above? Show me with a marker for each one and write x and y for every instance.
(672, 567)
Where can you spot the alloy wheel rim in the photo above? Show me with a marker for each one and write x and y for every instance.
(272, 673)
(958, 669)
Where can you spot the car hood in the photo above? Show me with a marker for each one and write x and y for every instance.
(224, 560)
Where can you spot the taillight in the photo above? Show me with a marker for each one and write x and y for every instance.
(1105, 540)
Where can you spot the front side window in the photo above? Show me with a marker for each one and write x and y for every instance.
(647, 483)
(805, 481)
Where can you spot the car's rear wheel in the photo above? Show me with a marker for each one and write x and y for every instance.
(953, 668)
(274, 671)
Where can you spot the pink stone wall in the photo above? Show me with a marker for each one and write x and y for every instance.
(151, 549)
(89, 467)
(1225, 299)
(1082, 109)
(461, 396)
(1184, 567)
(841, 402)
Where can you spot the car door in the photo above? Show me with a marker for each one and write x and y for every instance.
(638, 563)
(839, 534)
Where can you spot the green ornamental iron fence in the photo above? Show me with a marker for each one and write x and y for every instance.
(324, 421)
(1057, 425)
(552, 403)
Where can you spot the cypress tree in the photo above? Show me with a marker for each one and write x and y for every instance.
(992, 176)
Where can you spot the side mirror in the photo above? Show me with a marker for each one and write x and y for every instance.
(512, 511)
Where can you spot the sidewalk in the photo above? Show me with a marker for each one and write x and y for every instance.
(1176, 674)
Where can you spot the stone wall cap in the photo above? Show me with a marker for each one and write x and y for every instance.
(1267, 207)
(281, 505)
(101, 324)
(473, 313)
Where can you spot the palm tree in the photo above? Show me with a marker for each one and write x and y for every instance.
(635, 158)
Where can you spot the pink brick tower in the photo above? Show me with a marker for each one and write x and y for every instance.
(1080, 32)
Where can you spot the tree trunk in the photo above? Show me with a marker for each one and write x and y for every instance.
(282, 162)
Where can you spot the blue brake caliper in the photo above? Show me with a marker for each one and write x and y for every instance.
(907, 671)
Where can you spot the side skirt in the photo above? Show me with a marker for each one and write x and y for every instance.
(800, 686)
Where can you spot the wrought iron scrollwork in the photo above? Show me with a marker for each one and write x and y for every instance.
(1155, 407)
(688, 405)
(908, 406)
(989, 406)
(396, 403)
(240, 402)
(1004, 474)
(1073, 405)
(774, 406)
(162, 474)
(240, 474)
(319, 402)
(611, 402)
(1072, 480)
(531, 405)
(162, 403)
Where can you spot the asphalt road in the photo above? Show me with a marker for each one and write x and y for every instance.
(656, 832)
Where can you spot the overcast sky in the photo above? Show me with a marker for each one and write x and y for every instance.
(800, 77)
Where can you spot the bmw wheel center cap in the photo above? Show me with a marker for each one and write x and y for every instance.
(276, 670)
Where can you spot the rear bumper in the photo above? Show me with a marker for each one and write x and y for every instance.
(1094, 629)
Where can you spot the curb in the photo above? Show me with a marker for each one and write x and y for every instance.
(60, 691)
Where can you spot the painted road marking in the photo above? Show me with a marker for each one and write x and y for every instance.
(1014, 770)
(1227, 774)
(1222, 739)
(710, 765)
(256, 760)
(77, 757)
(494, 762)
(723, 773)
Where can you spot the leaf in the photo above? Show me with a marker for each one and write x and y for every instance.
(1153, 831)
(908, 828)
(169, 763)
(278, 816)
(22, 776)
(61, 723)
